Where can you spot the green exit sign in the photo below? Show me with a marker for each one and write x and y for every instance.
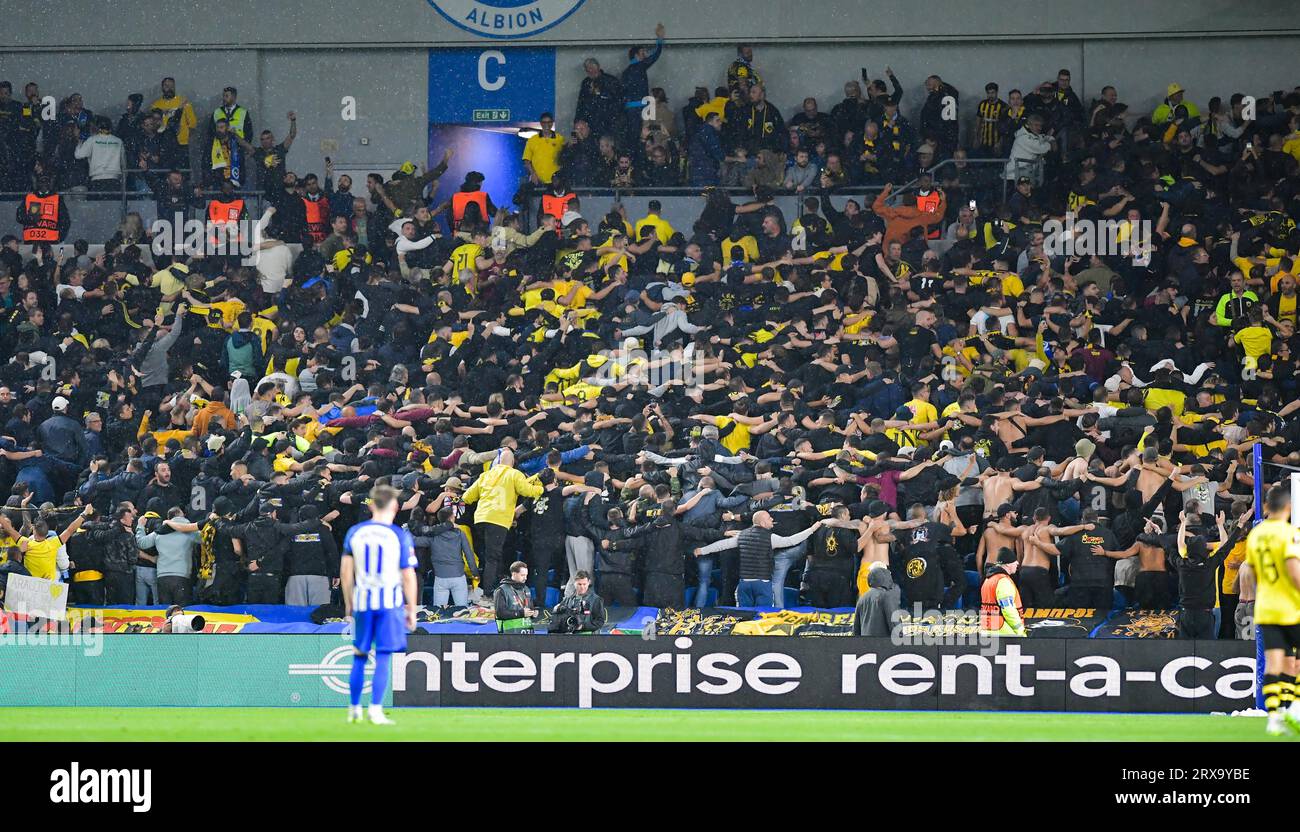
(491, 115)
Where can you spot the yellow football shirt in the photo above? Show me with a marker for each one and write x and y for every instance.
(736, 441)
(1255, 340)
(41, 558)
(1268, 547)
(465, 257)
(544, 154)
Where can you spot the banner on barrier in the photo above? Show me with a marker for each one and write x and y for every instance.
(1154, 676)
(36, 597)
(791, 623)
(152, 621)
(849, 673)
(1063, 622)
(1141, 624)
(1045, 622)
(244, 671)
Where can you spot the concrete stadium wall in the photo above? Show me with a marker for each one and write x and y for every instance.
(88, 24)
(302, 55)
(1140, 70)
(390, 87)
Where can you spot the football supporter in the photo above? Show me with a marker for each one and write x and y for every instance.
(918, 383)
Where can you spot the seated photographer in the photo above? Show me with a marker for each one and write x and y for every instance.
(581, 612)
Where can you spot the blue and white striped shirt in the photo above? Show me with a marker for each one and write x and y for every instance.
(379, 553)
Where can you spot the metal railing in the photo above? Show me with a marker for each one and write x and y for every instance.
(123, 193)
(857, 189)
(988, 170)
(990, 176)
(130, 200)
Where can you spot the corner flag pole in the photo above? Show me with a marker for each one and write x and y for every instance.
(1257, 465)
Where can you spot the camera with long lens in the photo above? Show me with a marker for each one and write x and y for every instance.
(180, 621)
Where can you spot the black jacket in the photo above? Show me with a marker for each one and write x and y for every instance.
(927, 565)
(590, 609)
(586, 518)
(600, 103)
(116, 542)
(662, 541)
(933, 123)
(312, 549)
(170, 495)
(84, 554)
(62, 436)
(1198, 585)
(263, 542)
(620, 557)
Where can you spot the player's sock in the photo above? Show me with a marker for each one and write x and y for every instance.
(357, 679)
(1272, 691)
(1287, 694)
(379, 683)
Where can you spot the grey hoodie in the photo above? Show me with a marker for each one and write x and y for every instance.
(449, 551)
(875, 611)
(154, 366)
(175, 550)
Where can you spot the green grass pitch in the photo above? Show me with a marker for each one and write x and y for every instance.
(486, 724)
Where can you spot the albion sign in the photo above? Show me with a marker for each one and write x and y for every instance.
(505, 18)
(852, 673)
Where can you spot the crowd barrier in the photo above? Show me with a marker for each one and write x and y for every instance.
(281, 619)
(238, 670)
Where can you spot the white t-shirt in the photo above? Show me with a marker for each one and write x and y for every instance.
(273, 265)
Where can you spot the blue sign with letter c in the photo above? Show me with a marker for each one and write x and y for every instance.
(491, 83)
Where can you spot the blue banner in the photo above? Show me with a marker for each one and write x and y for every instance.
(492, 86)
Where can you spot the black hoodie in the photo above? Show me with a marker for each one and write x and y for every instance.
(312, 547)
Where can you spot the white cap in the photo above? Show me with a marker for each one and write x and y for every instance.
(59, 404)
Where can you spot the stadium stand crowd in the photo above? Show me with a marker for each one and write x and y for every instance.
(873, 403)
